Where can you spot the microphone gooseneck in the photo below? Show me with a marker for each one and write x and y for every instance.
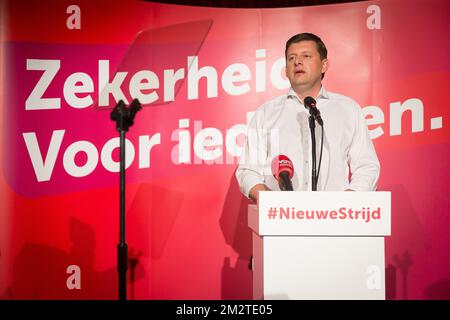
(310, 104)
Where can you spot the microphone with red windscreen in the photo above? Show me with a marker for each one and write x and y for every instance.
(283, 171)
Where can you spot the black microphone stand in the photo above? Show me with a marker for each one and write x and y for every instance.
(124, 118)
(312, 127)
(310, 104)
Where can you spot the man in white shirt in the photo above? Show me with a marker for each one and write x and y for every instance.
(280, 127)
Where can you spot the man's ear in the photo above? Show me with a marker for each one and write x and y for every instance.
(325, 65)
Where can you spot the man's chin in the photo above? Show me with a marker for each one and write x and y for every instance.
(300, 84)
(300, 80)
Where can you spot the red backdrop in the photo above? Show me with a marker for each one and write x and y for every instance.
(186, 222)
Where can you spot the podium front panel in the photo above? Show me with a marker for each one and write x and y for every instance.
(324, 268)
(322, 213)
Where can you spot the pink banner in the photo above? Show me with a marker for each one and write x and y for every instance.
(200, 73)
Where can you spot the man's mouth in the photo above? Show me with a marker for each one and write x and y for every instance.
(299, 72)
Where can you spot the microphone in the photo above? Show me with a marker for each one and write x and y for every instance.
(283, 171)
(310, 103)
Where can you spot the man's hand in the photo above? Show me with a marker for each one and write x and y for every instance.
(254, 192)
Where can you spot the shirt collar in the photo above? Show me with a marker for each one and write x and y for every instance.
(323, 94)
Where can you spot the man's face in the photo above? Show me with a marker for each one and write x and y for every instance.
(304, 67)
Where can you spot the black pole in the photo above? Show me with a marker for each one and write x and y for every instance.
(122, 248)
(312, 126)
(124, 118)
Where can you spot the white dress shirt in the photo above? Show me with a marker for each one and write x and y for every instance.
(281, 127)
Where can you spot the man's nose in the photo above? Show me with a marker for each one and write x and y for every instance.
(298, 61)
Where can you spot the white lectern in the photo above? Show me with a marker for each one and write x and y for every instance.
(319, 245)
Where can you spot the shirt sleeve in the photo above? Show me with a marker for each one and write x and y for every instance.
(250, 171)
(363, 160)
